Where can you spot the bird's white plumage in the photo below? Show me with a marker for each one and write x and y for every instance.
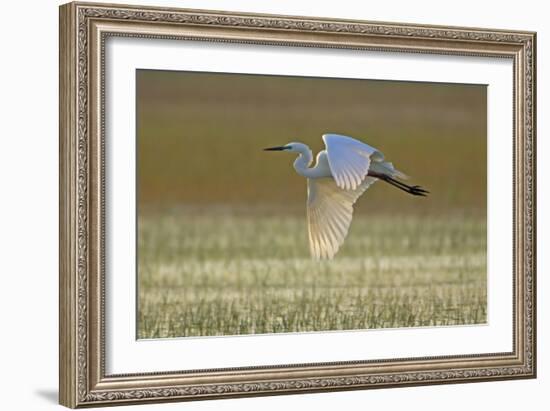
(334, 184)
(329, 214)
(349, 159)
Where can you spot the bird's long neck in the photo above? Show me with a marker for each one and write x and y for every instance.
(302, 163)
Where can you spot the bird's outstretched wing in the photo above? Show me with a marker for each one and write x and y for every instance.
(329, 213)
(349, 159)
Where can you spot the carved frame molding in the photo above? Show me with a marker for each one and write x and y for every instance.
(84, 27)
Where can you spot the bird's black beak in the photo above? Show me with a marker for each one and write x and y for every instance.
(281, 148)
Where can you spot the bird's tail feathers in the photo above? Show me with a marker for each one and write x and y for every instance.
(399, 174)
(390, 169)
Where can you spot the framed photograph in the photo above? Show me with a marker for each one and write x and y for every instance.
(259, 204)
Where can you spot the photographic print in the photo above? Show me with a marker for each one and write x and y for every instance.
(279, 204)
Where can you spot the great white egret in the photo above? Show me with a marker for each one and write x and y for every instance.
(344, 170)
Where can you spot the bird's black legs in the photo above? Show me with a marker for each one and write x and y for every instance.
(414, 190)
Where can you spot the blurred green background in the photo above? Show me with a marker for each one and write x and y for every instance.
(200, 138)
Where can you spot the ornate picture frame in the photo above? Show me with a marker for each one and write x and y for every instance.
(84, 29)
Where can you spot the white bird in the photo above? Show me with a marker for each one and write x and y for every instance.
(344, 170)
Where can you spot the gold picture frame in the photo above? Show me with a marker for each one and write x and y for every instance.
(84, 27)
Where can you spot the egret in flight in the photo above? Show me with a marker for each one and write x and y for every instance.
(344, 170)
